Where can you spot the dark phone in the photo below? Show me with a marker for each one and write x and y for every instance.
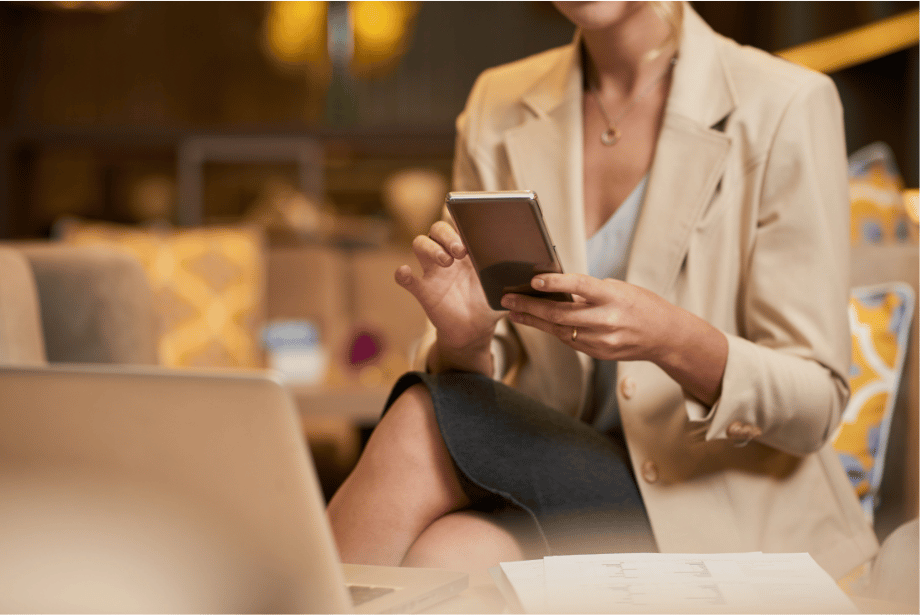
(507, 241)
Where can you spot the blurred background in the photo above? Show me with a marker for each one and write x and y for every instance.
(268, 163)
(110, 110)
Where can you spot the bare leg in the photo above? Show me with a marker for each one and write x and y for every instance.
(467, 541)
(403, 482)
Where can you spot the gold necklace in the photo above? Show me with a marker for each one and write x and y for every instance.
(612, 134)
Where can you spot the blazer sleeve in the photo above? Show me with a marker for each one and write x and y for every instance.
(786, 373)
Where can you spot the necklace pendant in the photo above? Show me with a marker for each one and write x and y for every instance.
(610, 136)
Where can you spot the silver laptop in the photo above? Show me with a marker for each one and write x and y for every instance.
(155, 490)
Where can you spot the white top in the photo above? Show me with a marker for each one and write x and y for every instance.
(608, 253)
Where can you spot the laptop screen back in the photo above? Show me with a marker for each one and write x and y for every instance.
(152, 490)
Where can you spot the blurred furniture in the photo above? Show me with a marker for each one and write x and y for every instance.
(216, 288)
(196, 152)
(21, 337)
(207, 282)
(72, 304)
(346, 291)
(898, 495)
(95, 304)
(884, 251)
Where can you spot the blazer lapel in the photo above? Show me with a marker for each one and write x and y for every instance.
(687, 168)
(545, 155)
(689, 160)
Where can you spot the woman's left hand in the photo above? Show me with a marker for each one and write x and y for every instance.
(608, 319)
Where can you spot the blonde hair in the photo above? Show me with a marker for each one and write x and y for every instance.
(672, 13)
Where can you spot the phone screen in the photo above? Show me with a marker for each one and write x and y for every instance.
(507, 242)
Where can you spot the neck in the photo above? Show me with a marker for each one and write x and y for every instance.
(618, 58)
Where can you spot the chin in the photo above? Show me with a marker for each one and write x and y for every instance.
(599, 14)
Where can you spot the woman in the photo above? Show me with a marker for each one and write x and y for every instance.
(697, 194)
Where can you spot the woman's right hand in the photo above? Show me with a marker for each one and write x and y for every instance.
(449, 292)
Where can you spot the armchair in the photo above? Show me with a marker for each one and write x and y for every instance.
(74, 305)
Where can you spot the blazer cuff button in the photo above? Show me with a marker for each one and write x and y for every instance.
(649, 472)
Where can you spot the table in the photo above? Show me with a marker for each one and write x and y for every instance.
(482, 596)
(362, 405)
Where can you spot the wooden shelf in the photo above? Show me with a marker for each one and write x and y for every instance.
(363, 405)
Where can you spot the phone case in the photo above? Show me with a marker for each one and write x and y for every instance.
(507, 240)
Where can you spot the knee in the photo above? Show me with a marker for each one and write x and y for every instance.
(466, 541)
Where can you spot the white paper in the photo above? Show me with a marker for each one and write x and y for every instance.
(677, 583)
(527, 579)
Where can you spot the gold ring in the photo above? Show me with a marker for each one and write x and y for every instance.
(575, 333)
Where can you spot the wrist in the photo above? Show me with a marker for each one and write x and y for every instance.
(694, 355)
(472, 357)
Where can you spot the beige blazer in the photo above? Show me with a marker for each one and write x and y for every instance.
(745, 224)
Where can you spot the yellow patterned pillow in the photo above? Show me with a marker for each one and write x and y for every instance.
(880, 318)
(878, 212)
(207, 282)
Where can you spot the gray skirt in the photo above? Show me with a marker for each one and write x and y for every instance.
(562, 485)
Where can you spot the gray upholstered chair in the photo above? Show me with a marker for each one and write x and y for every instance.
(66, 304)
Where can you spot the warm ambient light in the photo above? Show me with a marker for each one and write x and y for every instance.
(296, 32)
(858, 45)
(380, 31)
(107, 5)
(98, 5)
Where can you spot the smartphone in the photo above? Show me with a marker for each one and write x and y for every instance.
(507, 240)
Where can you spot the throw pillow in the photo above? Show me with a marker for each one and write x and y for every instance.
(878, 212)
(207, 282)
(880, 319)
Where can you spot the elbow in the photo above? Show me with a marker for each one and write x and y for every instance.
(838, 398)
(809, 428)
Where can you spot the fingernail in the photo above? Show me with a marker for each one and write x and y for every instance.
(444, 259)
(538, 283)
(508, 302)
(457, 249)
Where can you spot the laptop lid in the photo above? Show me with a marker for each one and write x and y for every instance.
(137, 489)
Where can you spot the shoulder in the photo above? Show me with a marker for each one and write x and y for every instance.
(755, 70)
(777, 102)
(765, 81)
(496, 99)
(518, 77)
